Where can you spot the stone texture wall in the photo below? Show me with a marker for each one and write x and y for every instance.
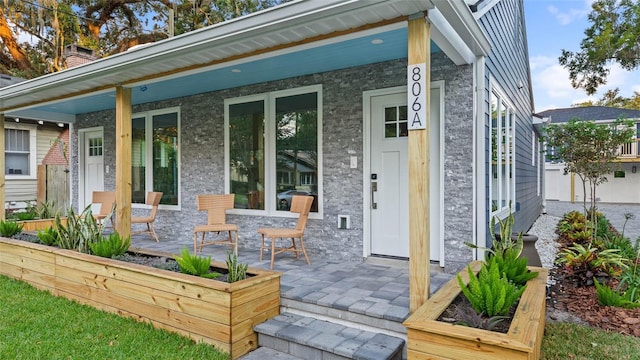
(202, 156)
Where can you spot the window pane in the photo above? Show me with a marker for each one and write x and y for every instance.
(17, 154)
(297, 148)
(138, 161)
(165, 157)
(504, 156)
(494, 153)
(246, 154)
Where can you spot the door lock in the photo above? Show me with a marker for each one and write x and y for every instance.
(374, 189)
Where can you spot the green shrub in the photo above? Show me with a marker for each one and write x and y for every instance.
(25, 215)
(584, 262)
(80, 231)
(489, 293)
(9, 228)
(237, 270)
(615, 241)
(195, 265)
(110, 246)
(512, 266)
(48, 236)
(46, 210)
(610, 297)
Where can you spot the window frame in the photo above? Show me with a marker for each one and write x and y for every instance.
(33, 151)
(509, 114)
(271, 173)
(148, 133)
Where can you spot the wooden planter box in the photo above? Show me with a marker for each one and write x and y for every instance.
(428, 338)
(39, 224)
(215, 312)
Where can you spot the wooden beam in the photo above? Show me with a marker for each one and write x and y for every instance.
(3, 188)
(419, 266)
(123, 161)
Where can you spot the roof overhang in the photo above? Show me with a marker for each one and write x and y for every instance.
(292, 39)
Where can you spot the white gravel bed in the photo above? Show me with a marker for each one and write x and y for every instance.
(545, 229)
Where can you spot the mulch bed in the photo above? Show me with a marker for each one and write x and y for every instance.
(581, 302)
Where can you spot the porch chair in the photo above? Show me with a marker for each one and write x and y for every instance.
(106, 200)
(301, 205)
(216, 206)
(153, 199)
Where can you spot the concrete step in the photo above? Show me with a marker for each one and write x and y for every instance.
(263, 353)
(309, 338)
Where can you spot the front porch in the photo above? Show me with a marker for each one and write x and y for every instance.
(370, 296)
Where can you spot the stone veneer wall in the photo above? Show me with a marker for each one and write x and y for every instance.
(202, 156)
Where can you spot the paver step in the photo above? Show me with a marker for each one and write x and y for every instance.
(310, 338)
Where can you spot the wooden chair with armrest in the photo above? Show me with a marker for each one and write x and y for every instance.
(153, 200)
(216, 206)
(301, 205)
(106, 201)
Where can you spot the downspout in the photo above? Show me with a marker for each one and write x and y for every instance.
(479, 177)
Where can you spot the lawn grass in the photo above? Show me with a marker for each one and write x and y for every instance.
(575, 342)
(36, 325)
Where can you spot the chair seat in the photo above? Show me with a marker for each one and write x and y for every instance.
(215, 228)
(280, 232)
(140, 219)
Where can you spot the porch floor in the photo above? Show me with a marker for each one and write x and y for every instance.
(377, 288)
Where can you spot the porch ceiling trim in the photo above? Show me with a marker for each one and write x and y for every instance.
(289, 25)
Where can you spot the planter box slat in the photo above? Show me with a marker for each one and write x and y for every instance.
(39, 224)
(429, 338)
(205, 310)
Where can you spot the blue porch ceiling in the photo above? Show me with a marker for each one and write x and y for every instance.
(340, 55)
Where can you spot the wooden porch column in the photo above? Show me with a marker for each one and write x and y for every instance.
(3, 188)
(418, 93)
(123, 161)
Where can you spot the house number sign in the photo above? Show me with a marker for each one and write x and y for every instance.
(416, 98)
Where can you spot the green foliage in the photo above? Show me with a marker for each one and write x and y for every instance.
(489, 293)
(579, 237)
(610, 297)
(588, 149)
(505, 242)
(512, 266)
(48, 236)
(46, 210)
(9, 228)
(80, 231)
(584, 262)
(614, 241)
(630, 283)
(611, 37)
(110, 246)
(603, 227)
(25, 215)
(237, 270)
(195, 265)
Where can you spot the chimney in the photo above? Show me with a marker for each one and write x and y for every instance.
(78, 55)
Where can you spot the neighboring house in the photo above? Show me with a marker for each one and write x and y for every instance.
(312, 96)
(621, 186)
(27, 143)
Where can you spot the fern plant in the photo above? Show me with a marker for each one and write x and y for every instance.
(48, 236)
(9, 228)
(237, 270)
(195, 265)
(489, 293)
(110, 246)
(610, 297)
(512, 266)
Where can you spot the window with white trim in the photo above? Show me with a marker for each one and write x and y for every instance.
(155, 157)
(272, 149)
(502, 177)
(19, 151)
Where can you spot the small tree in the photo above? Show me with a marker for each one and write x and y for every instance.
(588, 149)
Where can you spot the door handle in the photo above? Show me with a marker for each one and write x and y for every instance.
(374, 188)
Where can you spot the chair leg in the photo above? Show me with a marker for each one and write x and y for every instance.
(153, 231)
(304, 251)
(195, 243)
(262, 247)
(295, 249)
(273, 251)
(235, 248)
(149, 231)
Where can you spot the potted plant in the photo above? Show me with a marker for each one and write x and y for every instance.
(430, 336)
(220, 313)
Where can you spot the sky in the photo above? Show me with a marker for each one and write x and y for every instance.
(553, 25)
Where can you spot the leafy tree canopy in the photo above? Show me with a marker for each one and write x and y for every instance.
(611, 38)
(34, 33)
(612, 98)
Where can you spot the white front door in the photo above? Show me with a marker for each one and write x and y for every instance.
(389, 176)
(93, 165)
